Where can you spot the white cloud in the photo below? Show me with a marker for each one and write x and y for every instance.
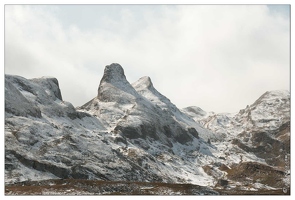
(220, 58)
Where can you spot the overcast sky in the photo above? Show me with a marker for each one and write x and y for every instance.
(218, 57)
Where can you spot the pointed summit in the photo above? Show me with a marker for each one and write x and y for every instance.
(279, 95)
(113, 73)
(143, 83)
(145, 87)
(114, 86)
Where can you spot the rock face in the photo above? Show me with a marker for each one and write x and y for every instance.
(131, 132)
(118, 135)
(266, 126)
(17, 104)
(138, 111)
(195, 112)
(269, 112)
(114, 87)
(261, 129)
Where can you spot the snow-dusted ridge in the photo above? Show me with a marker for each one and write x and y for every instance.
(131, 132)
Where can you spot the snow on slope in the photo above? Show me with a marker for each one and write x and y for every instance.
(144, 86)
(128, 132)
(59, 141)
(195, 112)
(260, 132)
(267, 113)
(148, 119)
(140, 111)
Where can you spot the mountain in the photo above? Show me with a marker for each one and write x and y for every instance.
(261, 129)
(118, 135)
(132, 132)
(139, 112)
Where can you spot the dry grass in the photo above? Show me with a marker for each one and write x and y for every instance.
(223, 167)
(253, 172)
(249, 192)
(207, 169)
(96, 187)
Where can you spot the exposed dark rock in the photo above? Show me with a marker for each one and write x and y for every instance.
(167, 130)
(51, 84)
(267, 147)
(129, 132)
(194, 132)
(44, 167)
(222, 182)
(113, 84)
(117, 140)
(113, 73)
(17, 104)
(149, 130)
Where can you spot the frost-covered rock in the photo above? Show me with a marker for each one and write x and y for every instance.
(268, 112)
(138, 111)
(260, 132)
(131, 132)
(17, 104)
(194, 112)
(119, 135)
(114, 87)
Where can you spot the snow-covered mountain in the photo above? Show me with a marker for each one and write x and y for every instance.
(261, 130)
(131, 132)
(267, 113)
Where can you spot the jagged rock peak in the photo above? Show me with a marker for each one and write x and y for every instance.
(274, 94)
(113, 73)
(196, 110)
(51, 84)
(143, 82)
(114, 86)
(277, 93)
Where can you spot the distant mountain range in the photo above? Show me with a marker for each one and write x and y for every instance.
(131, 132)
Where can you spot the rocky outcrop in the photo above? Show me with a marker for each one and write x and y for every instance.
(195, 112)
(17, 104)
(114, 87)
(138, 110)
(264, 145)
(252, 172)
(131, 132)
(118, 135)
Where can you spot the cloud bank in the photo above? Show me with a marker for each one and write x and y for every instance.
(217, 57)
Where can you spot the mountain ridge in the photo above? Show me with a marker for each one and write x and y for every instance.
(131, 132)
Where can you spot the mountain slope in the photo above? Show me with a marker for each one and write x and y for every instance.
(96, 141)
(261, 130)
(131, 132)
(138, 112)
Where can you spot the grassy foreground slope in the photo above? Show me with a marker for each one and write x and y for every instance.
(96, 187)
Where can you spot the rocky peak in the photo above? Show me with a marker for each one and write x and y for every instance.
(195, 112)
(273, 96)
(113, 73)
(134, 133)
(114, 86)
(143, 83)
(145, 87)
(51, 86)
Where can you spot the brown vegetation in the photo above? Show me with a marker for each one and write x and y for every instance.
(253, 172)
(97, 187)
